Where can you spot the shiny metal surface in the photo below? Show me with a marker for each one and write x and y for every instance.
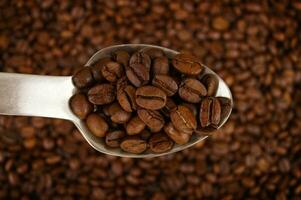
(48, 96)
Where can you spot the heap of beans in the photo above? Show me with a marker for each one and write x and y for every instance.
(135, 100)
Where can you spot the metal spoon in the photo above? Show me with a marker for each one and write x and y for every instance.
(48, 96)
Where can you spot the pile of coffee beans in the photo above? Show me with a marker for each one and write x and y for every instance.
(143, 99)
(253, 45)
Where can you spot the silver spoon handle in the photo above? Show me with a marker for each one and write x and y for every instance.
(35, 95)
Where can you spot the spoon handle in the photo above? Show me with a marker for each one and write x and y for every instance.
(35, 95)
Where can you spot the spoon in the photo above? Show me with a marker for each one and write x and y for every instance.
(48, 96)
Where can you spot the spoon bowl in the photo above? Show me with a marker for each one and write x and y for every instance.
(48, 96)
(98, 143)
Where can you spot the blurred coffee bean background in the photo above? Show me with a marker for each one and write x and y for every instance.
(254, 46)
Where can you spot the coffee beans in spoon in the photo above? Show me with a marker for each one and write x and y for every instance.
(143, 101)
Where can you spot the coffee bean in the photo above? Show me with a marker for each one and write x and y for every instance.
(121, 117)
(111, 109)
(133, 144)
(102, 94)
(114, 138)
(192, 107)
(183, 119)
(97, 125)
(165, 83)
(160, 143)
(160, 66)
(135, 126)
(153, 119)
(138, 70)
(177, 136)
(188, 64)
(169, 106)
(225, 107)
(211, 83)
(112, 71)
(150, 97)
(97, 67)
(126, 95)
(80, 105)
(122, 57)
(205, 110)
(215, 112)
(153, 52)
(192, 90)
(83, 78)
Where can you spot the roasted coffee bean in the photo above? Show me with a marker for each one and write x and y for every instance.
(192, 90)
(160, 143)
(80, 105)
(126, 95)
(112, 71)
(97, 125)
(133, 144)
(211, 83)
(177, 136)
(153, 119)
(153, 52)
(160, 66)
(205, 110)
(114, 138)
(83, 78)
(192, 107)
(111, 109)
(150, 97)
(169, 106)
(102, 94)
(97, 67)
(215, 112)
(183, 119)
(138, 70)
(165, 83)
(122, 57)
(187, 64)
(135, 126)
(225, 107)
(121, 117)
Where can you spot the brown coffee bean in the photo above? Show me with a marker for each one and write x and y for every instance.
(122, 57)
(153, 119)
(192, 107)
(165, 83)
(215, 112)
(211, 83)
(83, 78)
(150, 97)
(126, 95)
(169, 106)
(153, 52)
(114, 138)
(138, 70)
(183, 119)
(160, 143)
(121, 117)
(112, 71)
(135, 126)
(102, 94)
(111, 109)
(177, 136)
(226, 107)
(160, 66)
(80, 105)
(97, 67)
(192, 90)
(97, 125)
(133, 144)
(205, 110)
(187, 64)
